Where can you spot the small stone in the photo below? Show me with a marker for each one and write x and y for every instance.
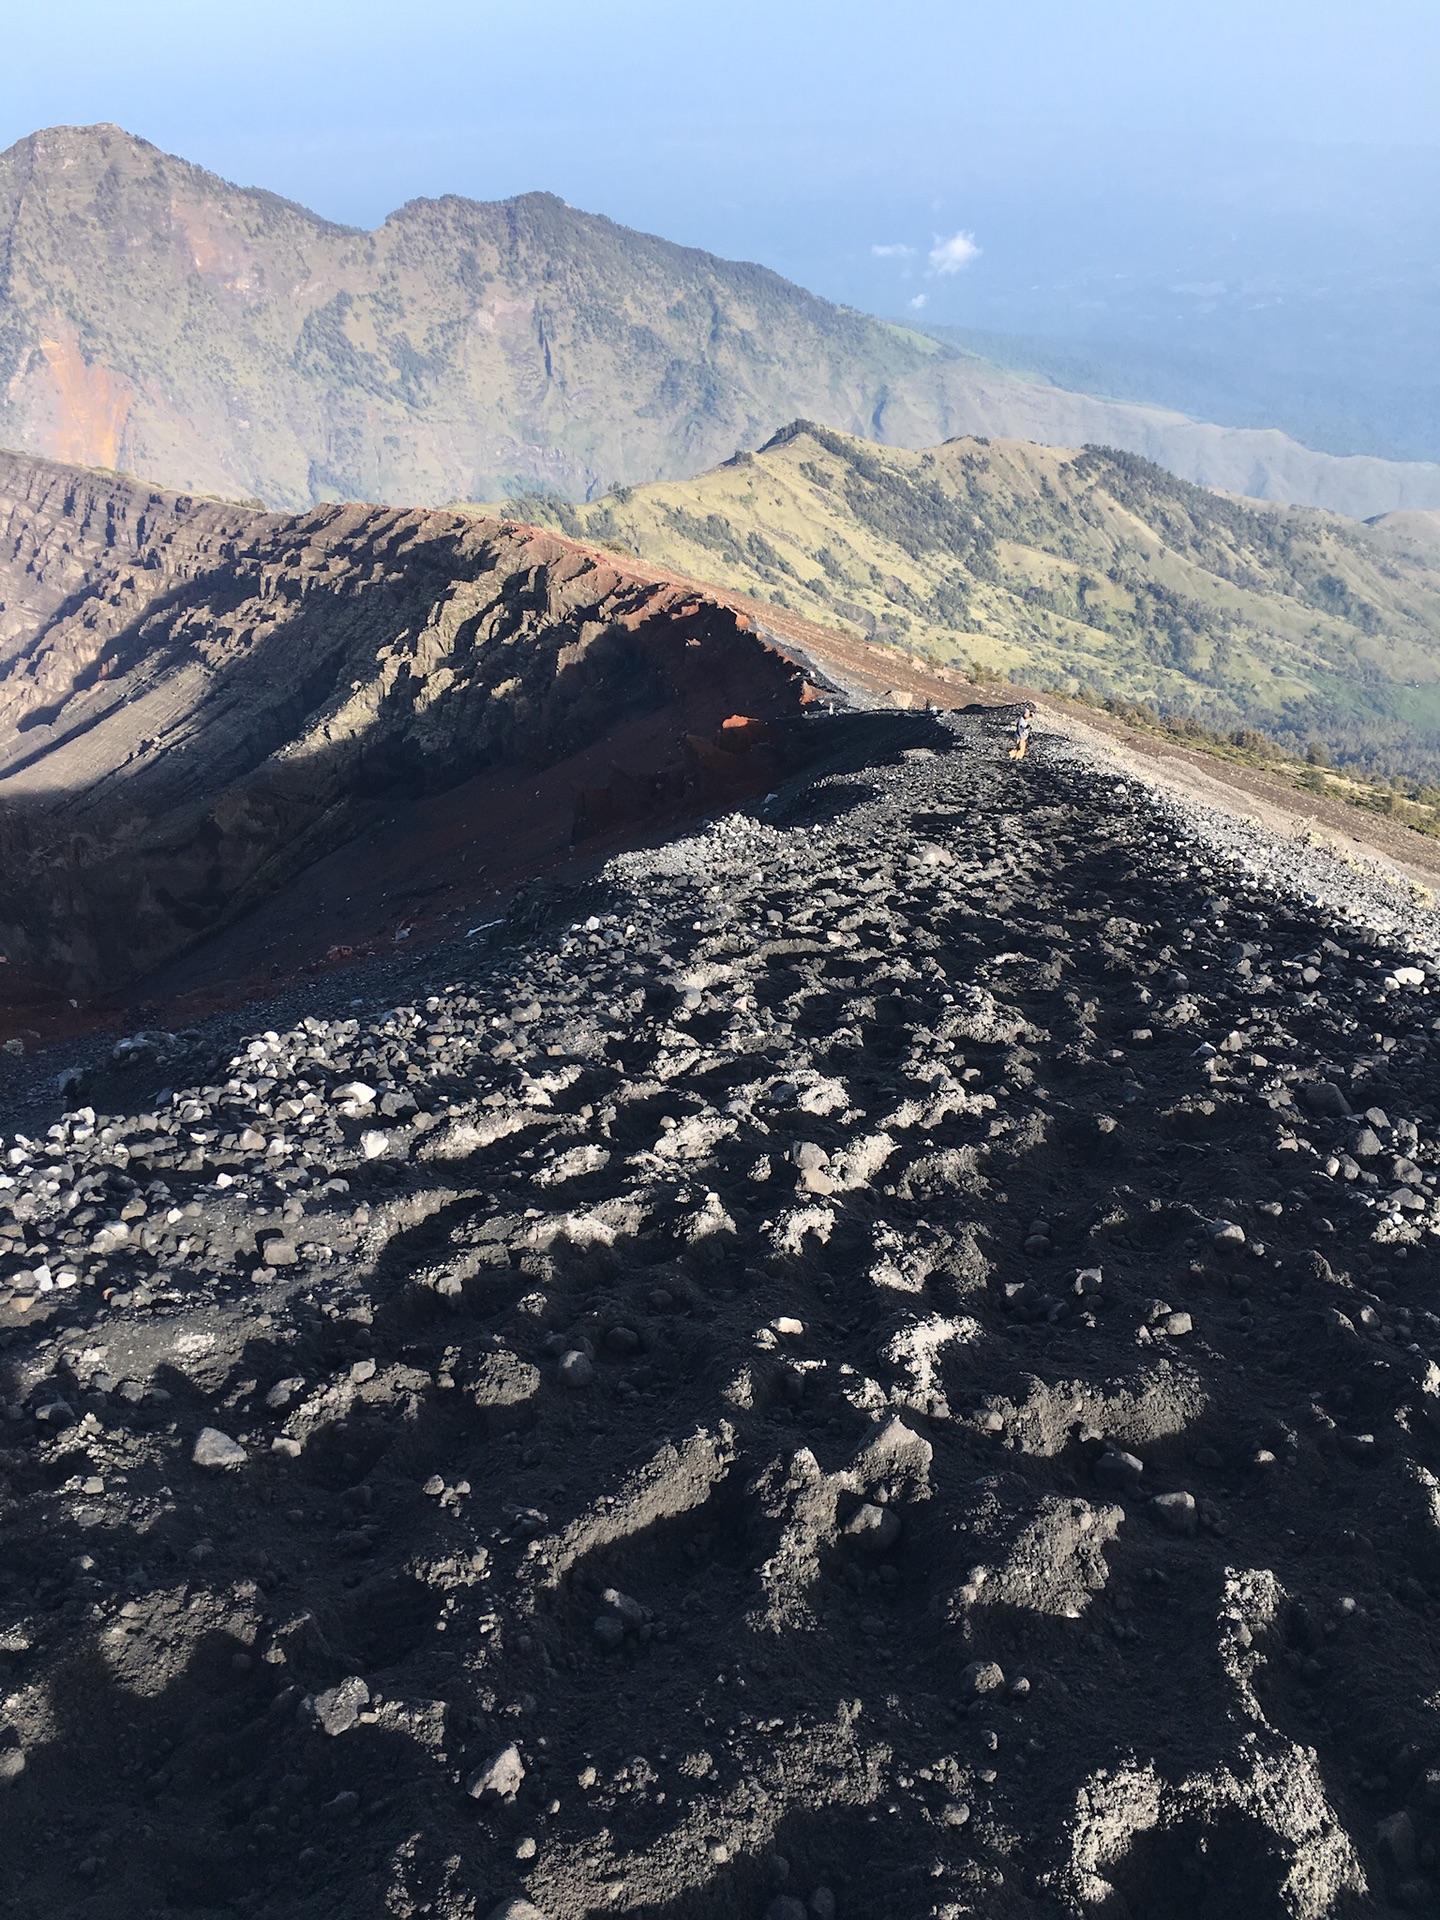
(623, 1341)
(283, 1392)
(1177, 1324)
(822, 1904)
(285, 1447)
(516, 1909)
(1226, 1236)
(1397, 1835)
(527, 1848)
(280, 1253)
(12, 1765)
(216, 1451)
(434, 1486)
(1175, 1511)
(609, 1631)
(1409, 976)
(500, 1778)
(361, 1371)
(957, 1814)
(1325, 1098)
(374, 1143)
(340, 1706)
(57, 1414)
(630, 1611)
(982, 1677)
(342, 1806)
(1119, 1470)
(872, 1529)
(355, 1092)
(577, 1369)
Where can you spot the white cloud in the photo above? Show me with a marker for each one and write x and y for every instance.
(950, 256)
(919, 301)
(898, 251)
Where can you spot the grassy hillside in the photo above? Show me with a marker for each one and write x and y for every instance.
(1091, 572)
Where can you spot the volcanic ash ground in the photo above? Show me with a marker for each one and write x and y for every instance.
(875, 1360)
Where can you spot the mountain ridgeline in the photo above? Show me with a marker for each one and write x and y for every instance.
(220, 340)
(1091, 571)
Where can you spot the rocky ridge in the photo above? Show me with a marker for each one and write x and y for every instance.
(198, 702)
(878, 1359)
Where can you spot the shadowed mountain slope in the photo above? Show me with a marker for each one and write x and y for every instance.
(208, 700)
(155, 317)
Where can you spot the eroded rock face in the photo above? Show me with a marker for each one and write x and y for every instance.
(209, 698)
(108, 540)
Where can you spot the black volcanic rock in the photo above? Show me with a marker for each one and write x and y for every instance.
(858, 1584)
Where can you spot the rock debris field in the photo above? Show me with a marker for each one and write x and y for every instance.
(876, 1360)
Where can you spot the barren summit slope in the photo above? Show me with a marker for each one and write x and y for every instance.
(158, 318)
(878, 1360)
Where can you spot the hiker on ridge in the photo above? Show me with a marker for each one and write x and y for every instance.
(1022, 733)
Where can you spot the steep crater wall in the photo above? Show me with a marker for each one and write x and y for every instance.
(208, 699)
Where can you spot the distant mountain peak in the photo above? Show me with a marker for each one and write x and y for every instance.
(157, 318)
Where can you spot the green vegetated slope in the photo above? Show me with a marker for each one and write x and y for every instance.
(1091, 572)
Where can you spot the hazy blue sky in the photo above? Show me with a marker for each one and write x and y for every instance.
(1238, 183)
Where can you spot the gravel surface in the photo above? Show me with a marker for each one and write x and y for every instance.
(874, 1360)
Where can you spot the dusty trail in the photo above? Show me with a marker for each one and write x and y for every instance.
(880, 1361)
